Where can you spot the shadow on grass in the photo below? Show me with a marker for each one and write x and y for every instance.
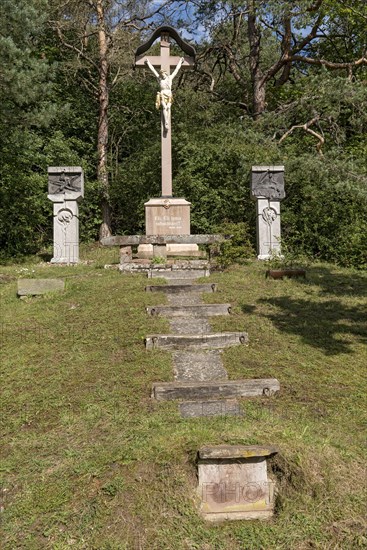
(328, 325)
(336, 283)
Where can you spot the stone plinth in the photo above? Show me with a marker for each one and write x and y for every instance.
(234, 482)
(267, 188)
(267, 228)
(66, 189)
(168, 216)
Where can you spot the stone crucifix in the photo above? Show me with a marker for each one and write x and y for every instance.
(164, 62)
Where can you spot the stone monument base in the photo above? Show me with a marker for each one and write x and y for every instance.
(268, 228)
(168, 216)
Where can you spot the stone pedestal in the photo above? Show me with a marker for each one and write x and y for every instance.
(168, 216)
(234, 482)
(267, 228)
(66, 189)
(267, 188)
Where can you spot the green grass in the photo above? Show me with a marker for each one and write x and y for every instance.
(89, 461)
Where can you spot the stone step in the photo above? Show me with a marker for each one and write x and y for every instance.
(202, 310)
(198, 391)
(182, 274)
(219, 407)
(203, 341)
(206, 287)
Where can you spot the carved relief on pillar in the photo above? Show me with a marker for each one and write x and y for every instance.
(64, 216)
(269, 215)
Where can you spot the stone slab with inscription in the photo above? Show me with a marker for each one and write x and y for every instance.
(234, 482)
(168, 216)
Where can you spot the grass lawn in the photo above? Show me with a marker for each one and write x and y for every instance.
(89, 461)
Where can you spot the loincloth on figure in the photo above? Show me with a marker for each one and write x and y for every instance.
(163, 99)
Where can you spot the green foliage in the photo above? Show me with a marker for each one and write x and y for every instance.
(325, 211)
(236, 250)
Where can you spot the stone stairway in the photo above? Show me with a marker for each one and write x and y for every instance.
(200, 380)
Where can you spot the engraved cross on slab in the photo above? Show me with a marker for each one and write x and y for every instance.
(164, 62)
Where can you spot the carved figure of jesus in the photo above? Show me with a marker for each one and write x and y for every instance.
(164, 96)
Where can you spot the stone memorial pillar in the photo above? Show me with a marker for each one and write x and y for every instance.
(65, 190)
(166, 215)
(267, 188)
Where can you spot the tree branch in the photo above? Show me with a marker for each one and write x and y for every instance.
(306, 128)
(329, 64)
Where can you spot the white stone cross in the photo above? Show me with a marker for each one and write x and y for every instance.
(164, 62)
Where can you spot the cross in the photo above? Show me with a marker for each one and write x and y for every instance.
(165, 62)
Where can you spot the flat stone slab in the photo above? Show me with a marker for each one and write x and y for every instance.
(193, 391)
(234, 482)
(219, 407)
(236, 451)
(35, 287)
(179, 288)
(182, 274)
(128, 240)
(201, 310)
(203, 341)
(198, 366)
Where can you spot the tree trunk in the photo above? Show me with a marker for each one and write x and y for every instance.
(257, 77)
(102, 147)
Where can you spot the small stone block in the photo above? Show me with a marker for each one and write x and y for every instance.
(234, 482)
(126, 254)
(220, 407)
(35, 287)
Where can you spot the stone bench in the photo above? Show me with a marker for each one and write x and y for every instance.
(159, 242)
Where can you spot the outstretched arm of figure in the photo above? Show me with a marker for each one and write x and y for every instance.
(148, 63)
(178, 67)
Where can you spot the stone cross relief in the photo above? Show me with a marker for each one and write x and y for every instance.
(164, 62)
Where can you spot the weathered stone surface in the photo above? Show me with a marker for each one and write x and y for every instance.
(201, 310)
(219, 407)
(166, 391)
(235, 488)
(34, 287)
(268, 182)
(178, 273)
(206, 287)
(207, 341)
(198, 366)
(236, 451)
(184, 299)
(268, 228)
(126, 254)
(127, 240)
(187, 325)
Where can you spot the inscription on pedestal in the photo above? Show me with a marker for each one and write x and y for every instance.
(234, 483)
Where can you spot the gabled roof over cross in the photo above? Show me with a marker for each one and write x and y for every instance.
(165, 61)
